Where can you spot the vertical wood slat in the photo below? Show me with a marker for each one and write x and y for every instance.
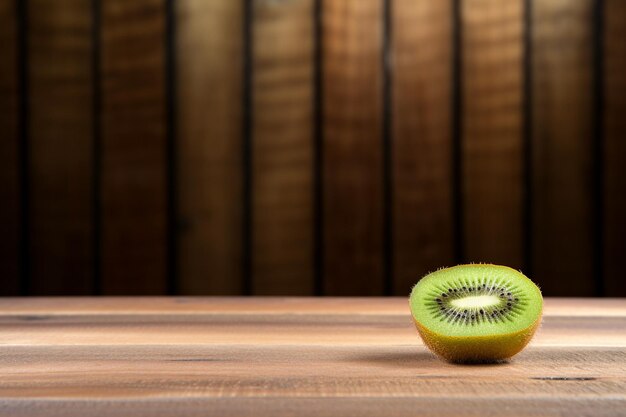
(209, 133)
(134, 195)
(9, 160)
(492, 161)
(352, 147)
(282, 150)
(562, 91)
(615, 146)
(422, 138)
(60, 144)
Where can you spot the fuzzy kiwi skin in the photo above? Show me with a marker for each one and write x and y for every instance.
(477, 349)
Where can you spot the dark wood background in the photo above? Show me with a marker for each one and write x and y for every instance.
(330, 147)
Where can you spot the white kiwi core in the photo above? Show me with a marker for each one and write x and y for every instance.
(476, 301)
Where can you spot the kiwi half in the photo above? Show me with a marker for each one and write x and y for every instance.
(477, 312)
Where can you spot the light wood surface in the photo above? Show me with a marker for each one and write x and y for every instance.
(293, 356)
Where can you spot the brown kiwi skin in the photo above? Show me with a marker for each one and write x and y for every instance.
(479, 349)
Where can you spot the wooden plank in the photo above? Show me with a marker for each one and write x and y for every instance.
(131, 356)
(492, 158)
(9, 156)
(209, 153)
(422, 120)
(322, 407)
(614, 145)
(233, 319)
(134, 194)
(312, 326)
(352, 147)
(562, 102)
(60, 144)
(283, 147)
(125, 363)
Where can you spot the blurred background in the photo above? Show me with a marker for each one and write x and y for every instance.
(309, 147)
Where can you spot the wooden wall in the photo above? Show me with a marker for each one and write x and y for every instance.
(301, 147)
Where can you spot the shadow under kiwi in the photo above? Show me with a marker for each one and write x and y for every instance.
(481, 363)
(418, 358)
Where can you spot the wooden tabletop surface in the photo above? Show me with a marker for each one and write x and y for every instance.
(293, 357)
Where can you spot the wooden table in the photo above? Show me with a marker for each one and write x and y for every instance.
(293, 357)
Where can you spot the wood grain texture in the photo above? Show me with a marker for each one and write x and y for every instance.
(282, 149)
(492, 176)
(293, 356)
(614, 145)
(422, 158)
(134, 191)
(562, 102)
(60, 168)
(326, 407)
(352, 147)
(9, 154)
(209, 62)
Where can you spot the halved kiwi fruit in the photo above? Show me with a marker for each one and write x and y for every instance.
(476, 312)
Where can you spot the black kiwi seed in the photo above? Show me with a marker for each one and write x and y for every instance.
(444, 294)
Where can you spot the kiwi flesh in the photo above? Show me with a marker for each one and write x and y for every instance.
(476, 313)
